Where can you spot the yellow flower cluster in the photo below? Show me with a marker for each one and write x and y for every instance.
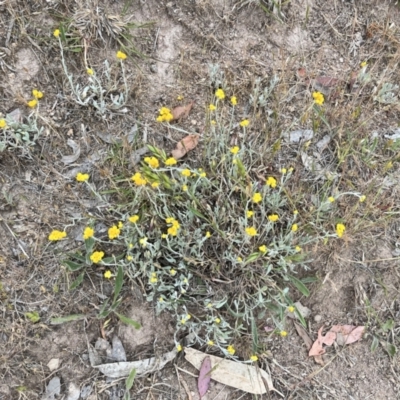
(37, 94)
(138, 179)
(96, 257)
(186, 172)
(113, 232)
(257, 198)
(88, 233)
(251, 231)
(231, 350)
(165, 115)
(170, 161)
(57, 235)
(153, 277)
(82, 177)
(263, 249)
(340, 228)
(121, 55)
(244, 123)
(3, 123)
(212, 107)
(134, 219)
(89, 71)
(235, 150)
(271, 182)
(273, 217)
(318, 98)
(152, 162)
(234, 100)
(220, 94)
(175, 226)
(108, 274)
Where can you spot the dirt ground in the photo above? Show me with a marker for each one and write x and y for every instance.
(358, 281)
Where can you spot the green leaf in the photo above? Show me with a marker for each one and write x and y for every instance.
(252, 257)
(119, 280)
(89, 243)
(33, 316)
(67, 318)
(72, 266)
(197, 213)
(129, 321)
(130, 379)
(375, 344)
(309, 279)
(77, 281)
(391, 349)
(388, 325)
(299, 285)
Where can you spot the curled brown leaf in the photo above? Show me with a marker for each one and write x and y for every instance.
(186, 144)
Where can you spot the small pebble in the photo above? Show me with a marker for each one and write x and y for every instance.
(317, 318)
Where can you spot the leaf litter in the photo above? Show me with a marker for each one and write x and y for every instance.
(186, 144)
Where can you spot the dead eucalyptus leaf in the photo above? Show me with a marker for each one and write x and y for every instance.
(76, 152)
(186, 144)
(232, 373)
(182, 111)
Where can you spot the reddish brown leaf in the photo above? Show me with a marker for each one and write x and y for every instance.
(186, 144)
(182, 111)
(347, 334)
(204, 376)
(316, 348)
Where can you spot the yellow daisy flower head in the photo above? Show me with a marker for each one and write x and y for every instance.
(186, 172)
(331, 199)
(56, 235)
(129, 258)
(96, 257)
(184, 188)
(253, 358)
(318, 98)
(212, 107)
(37, 94)
(56, 33)
(82, 177)
(283, 170)
(172, 272)
(362, 198)
(234, 100)
(249, 213)
(170, 161)
(208, 234)
(220, 94)
(283, 333)
(340, 228)
(108, 274)
(89, 71)
(3, 123)
(217, 320)
(152, 162)
(155, 185)
(164, 236)
(179, 347)
(295, 227)
(134, 219)
(291, 309)
(271, 182)
(88, 232)
(32, 103)
(138, 179)
(113, 232)
(298, 249)
(143, 242)
(235, 149)
(121, 55)
(273, 217)
(210, 343)
(257, 198)
(251, 231)
(244, 123)
(263, 248)
(231, 350)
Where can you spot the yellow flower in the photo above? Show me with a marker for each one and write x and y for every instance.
(186, 172)
(202, 175)
(212, 107)
(220, 94)
(155, 185)
(129, 258)
(113, 232)
(138, 179)
(239, 259)
(153, 279)
(362, 198)
(231, 350)
(263, 248)
(271, 182)
(363, 64)
(179, 98)
(253, 358)
(134, 219)
(244, 123)
(97, 256)
(298, 249)
(283, 333)
(173, 231)
(37, 94)
(208, 234)
(152, 162)
(234, 100)
(178, 347)
(318, 98)
(249, 213)
(291, 309)
(121, 55)
(251, 231)
(295, 212)
(88, 232)
(82, 177)
(340, 228)
(57, 235)
(184, 188)
(165, 115)
(130, 245)
(3, 123)
(172, 272)
(170, 161)
(295, 227)
(213, 122)
(164, 236)
(120, 225)
(283, 170)
(210, 343)
(331, 199)
(89, 71)
(56, 33)
(257, 197)
(291, 169)
(161, 300)
(217, 320)
(183, 321)
(143, 242)
(235, 149)
(32, 103)
(107, 274)
(273, 217)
